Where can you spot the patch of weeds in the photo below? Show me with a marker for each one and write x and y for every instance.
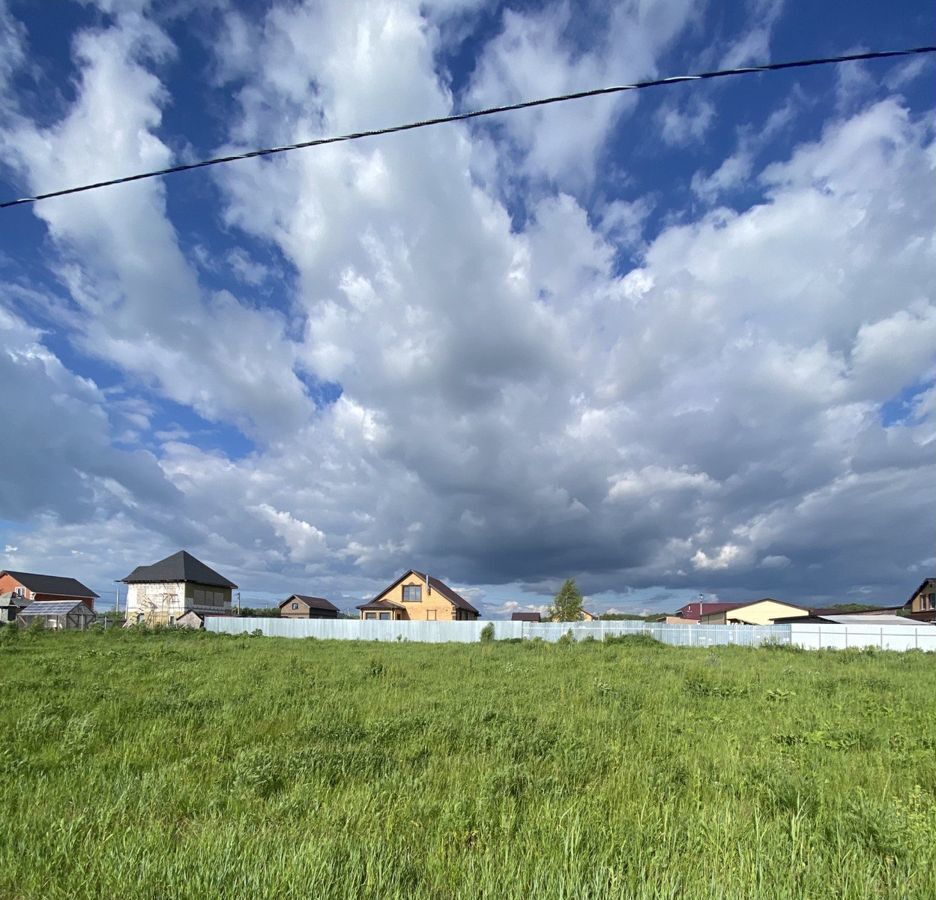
(778, 695)
(702, 685)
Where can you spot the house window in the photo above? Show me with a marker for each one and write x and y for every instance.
(412, 593)
(368, 615)
(385, 615)
(295, 606)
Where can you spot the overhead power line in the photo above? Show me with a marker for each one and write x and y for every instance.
(474, 114)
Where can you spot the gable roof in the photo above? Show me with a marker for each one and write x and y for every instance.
(769, 600)
(201, 615)
(53, 608)
(927, 582)
(181, 566)
(453, 597)
(311, 602)
(50, 584)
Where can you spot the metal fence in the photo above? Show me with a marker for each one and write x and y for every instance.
(845, 637)
(810, 637)
(470, 632)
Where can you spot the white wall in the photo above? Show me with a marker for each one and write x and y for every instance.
(157, 602)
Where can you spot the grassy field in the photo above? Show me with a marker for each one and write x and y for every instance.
(191, 765)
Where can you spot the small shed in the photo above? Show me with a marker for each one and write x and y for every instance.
(57, 615)
(10, 605)
(191, 619)
(301, 606)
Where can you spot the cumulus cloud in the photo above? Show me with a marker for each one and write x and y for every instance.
(141, 305)
(536, 55)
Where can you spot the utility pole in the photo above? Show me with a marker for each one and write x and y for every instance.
(238, 602)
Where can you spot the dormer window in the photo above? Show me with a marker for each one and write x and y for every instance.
(412, 593)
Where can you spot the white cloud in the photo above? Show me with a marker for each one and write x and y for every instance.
(533, 56)
(140, 302)
(683, 125)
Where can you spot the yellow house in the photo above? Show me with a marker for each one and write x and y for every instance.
(584, 616)
(421, 598)
(757, 612)
(922, 603)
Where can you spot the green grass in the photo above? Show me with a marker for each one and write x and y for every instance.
(177, 765)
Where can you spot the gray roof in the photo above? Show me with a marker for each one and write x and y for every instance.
(181, 566)
(853, 619)
(53, 608)
(312, 602)
(51, 584)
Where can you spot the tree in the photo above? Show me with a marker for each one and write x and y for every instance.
(567, 604)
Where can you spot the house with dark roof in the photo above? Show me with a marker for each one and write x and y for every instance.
(418, 597)
(692, 612)
(162, 592)
(922, 603)
(525, 616)
(301, 606)
(29, 586)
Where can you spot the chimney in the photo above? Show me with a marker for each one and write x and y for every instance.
(428, 586)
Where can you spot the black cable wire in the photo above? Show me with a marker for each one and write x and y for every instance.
(475, 114)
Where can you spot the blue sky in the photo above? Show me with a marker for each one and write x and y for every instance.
(676, 343)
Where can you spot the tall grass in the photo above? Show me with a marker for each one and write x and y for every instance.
(180, 765)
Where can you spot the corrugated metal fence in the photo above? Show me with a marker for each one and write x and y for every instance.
(811, 637)
(470, 632)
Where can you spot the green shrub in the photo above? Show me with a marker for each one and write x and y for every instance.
(487, 633)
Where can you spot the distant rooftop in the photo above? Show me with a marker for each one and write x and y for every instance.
(181, 566)
(50, 584)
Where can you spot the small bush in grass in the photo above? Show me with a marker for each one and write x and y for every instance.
(487, 633)
(567, 638)
(634, 640)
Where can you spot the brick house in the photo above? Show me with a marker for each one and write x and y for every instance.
(30, 587)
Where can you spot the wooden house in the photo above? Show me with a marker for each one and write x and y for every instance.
(922, 603)
(418, 597)
(301, 606)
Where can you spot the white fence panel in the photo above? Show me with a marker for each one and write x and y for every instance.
(469, 632)
(815, 636)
